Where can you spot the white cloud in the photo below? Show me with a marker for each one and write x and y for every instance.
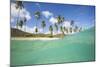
(34, 28)
(47, 32)
(37, 4)
(12, 19)
(66, 24)
(25, 13)
(53, 20)
(54, 32)
(47, 14)
(57, 32)
(28, 29)
(40, 30)
(15, 12)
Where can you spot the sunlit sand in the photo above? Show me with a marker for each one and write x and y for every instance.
(31, 38)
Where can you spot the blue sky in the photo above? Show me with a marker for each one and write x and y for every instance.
(84, 16)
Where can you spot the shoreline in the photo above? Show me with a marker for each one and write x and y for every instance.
(31, 38)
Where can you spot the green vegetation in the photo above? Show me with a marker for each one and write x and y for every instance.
(26, 34)
(19, 6)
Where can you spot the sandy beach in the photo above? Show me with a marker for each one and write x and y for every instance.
(31, 38)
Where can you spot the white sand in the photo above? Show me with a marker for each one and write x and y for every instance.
(30, 38)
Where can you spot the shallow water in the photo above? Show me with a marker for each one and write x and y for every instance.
(74, 48)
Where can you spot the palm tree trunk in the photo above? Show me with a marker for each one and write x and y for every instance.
(25, 27)
(51, 33)
(57, 31)
(63, 34)
(43, 30)
(18, 18)
(36, 27)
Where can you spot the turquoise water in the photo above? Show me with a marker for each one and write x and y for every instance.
(73, 48)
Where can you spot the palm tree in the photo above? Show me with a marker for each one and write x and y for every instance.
(36, 30)
(56, 27)
(19, 6)
(71, 24)
(65, 29)
(24, 20)
(80, 29)
(43, 25)
(51, 30)
(20, 24)
(70, 29)
(37, 16)
(76, 29)
(61, 29)
(60, 19)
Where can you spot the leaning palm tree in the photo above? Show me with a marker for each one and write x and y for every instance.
(24, 20)
(19, 6)
(51, 30)
(37, 16)
(56, 27)
(43, 25)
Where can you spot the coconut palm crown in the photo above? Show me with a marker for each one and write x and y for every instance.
(43, 24)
